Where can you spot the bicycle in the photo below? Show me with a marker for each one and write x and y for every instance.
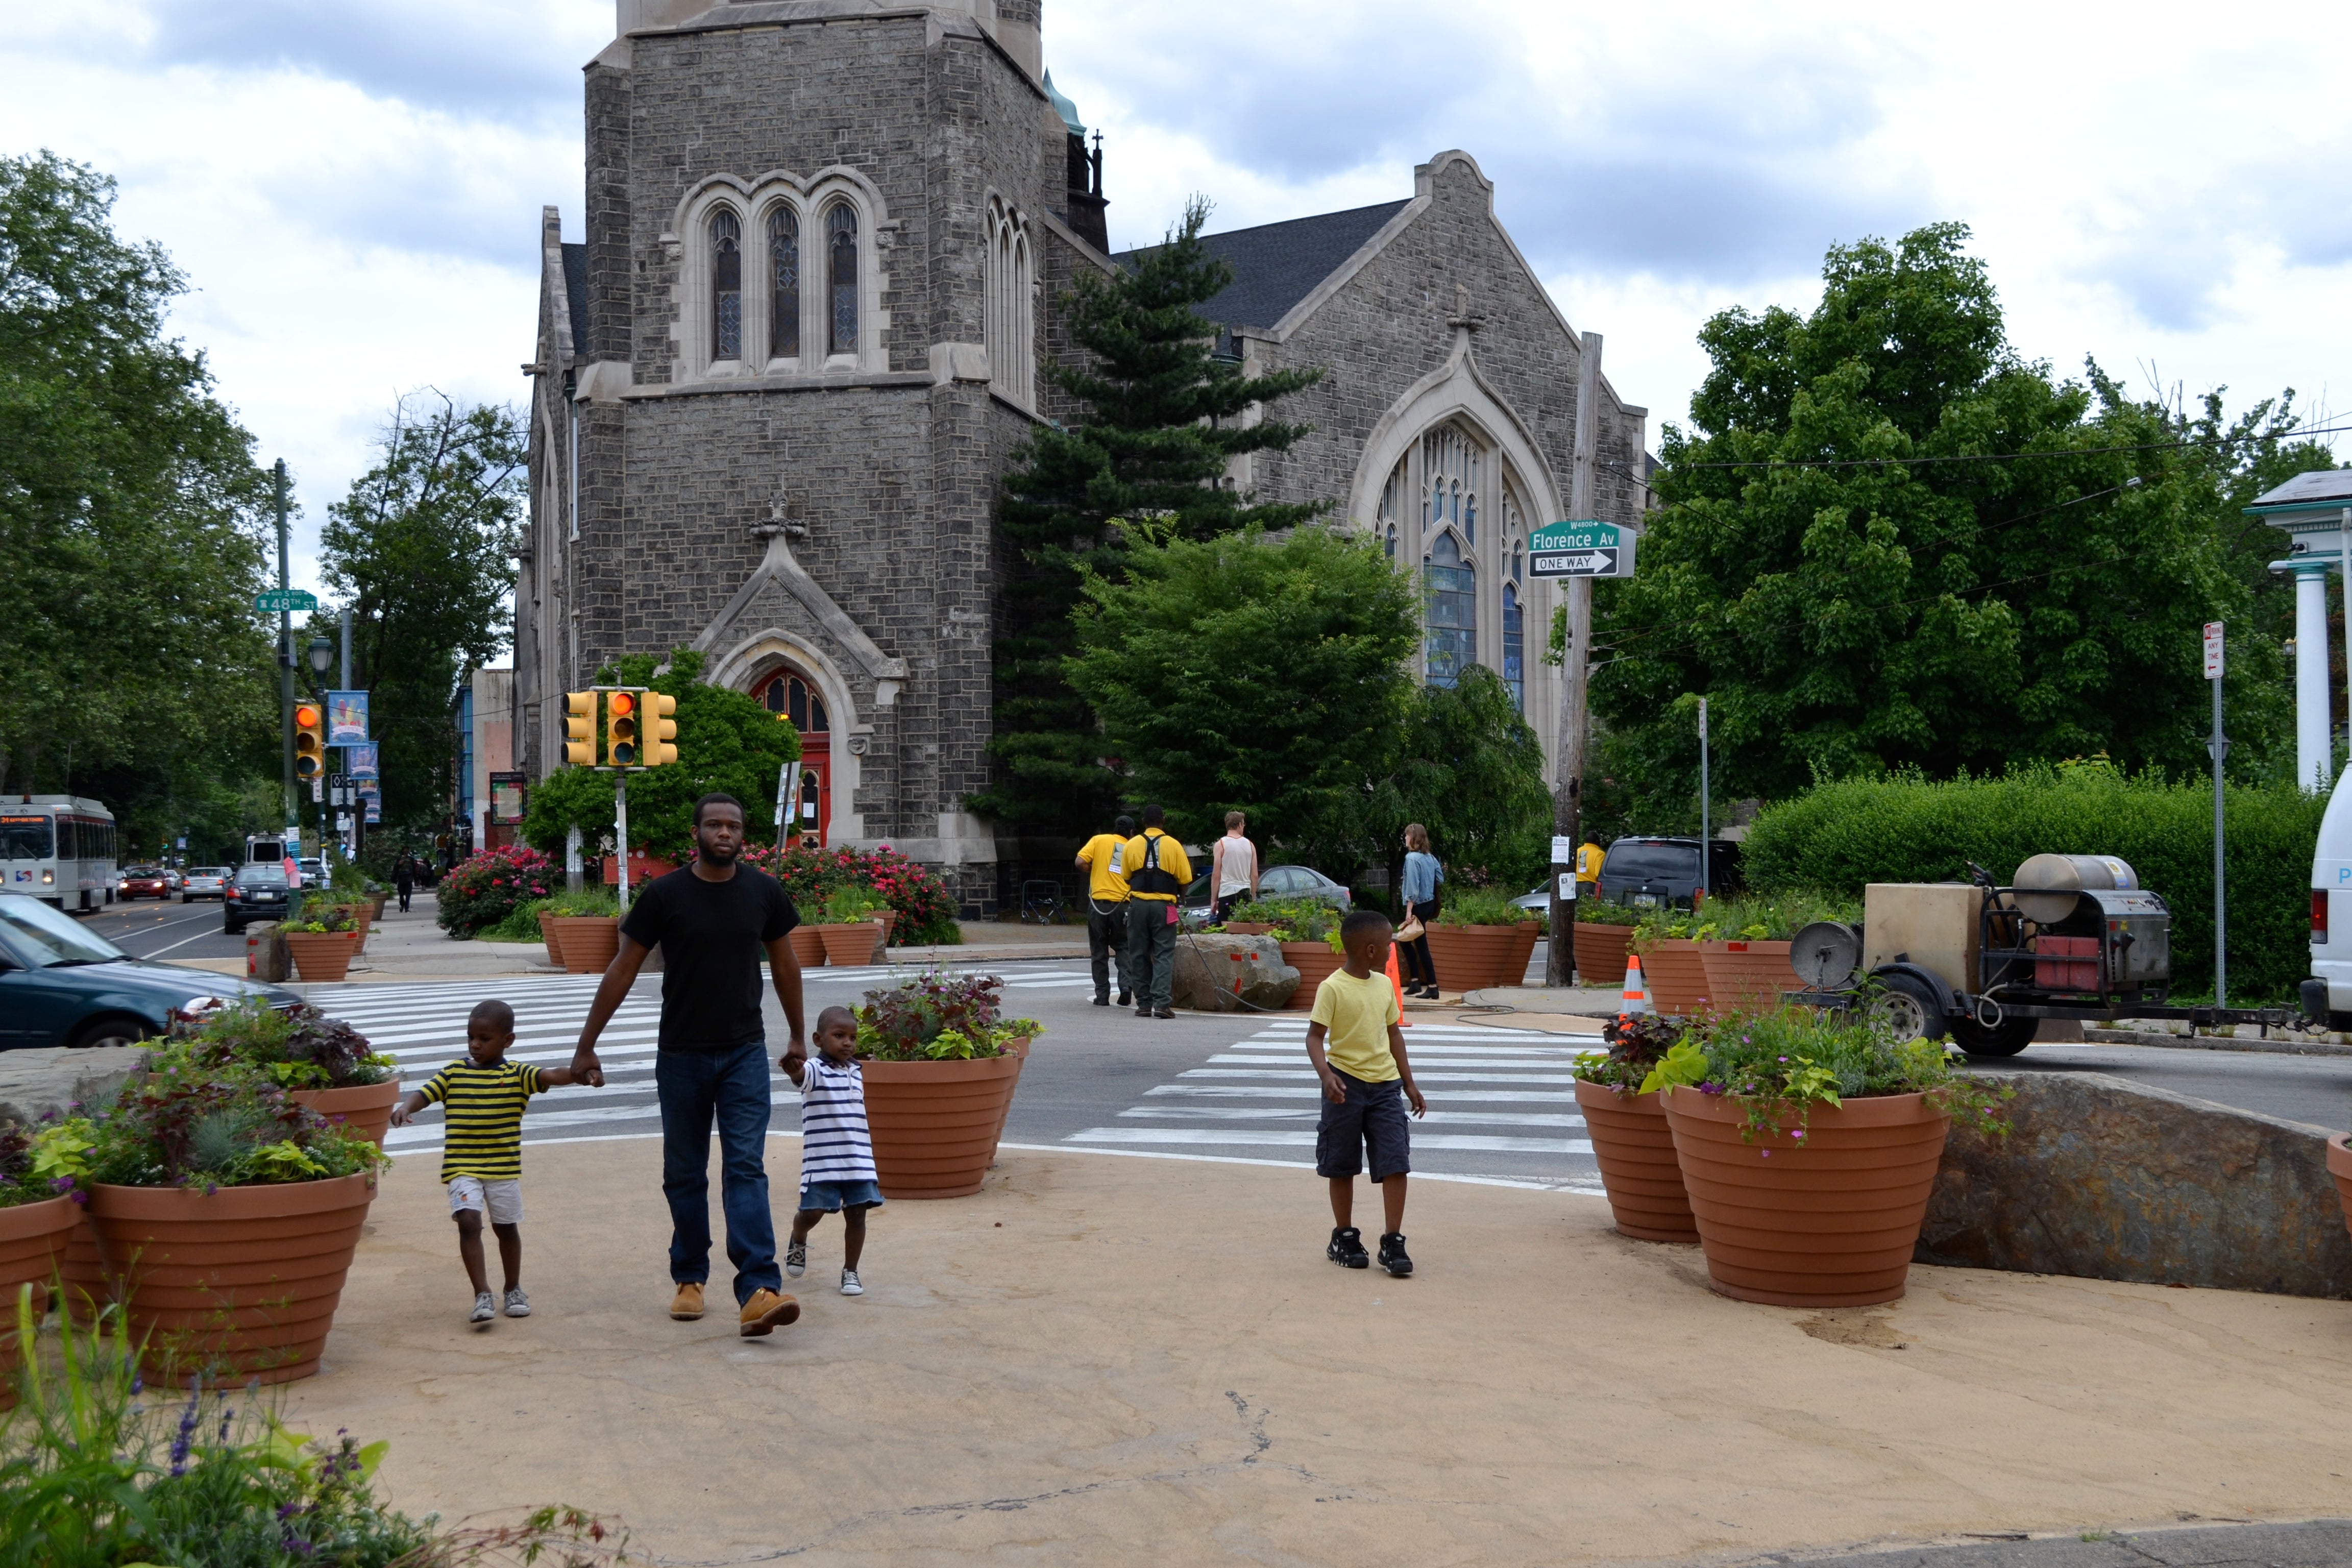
(1041, 900)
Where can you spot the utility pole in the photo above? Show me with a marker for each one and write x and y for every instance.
(286, 670)
(2217, 748)
(1705, 888)
(1567, 784)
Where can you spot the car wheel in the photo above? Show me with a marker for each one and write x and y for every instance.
(2006, 1039)
(115, 1029)
(1906, 1005)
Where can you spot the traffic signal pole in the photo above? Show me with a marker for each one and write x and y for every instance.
(621, 831)
(1567, 784)
(286, 668)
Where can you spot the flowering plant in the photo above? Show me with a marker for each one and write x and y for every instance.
(938, 1017)
(1636, 1042)
(297, 1047)
(188, 1121)
(45, 1161)
(925, 910)
(483, 891)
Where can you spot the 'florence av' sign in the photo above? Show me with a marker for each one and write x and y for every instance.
(1587, 548)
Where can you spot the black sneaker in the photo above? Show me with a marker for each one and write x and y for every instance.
(1143, 1012)
(1347, 1249)
(1127, 998)
(1392, 1258)
(1102, 1001)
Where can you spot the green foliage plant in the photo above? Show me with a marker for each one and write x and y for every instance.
(1772, 916)
(938, 1016)
(43, 1160)
(843, 906)
(192, 1119)
(522, 925)
(294, 1047)
(1634, 1043)
(1295, 919)
(1483, 907)
(1593, 910)
(1470, 769)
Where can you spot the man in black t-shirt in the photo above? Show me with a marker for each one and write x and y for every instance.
(712, 921)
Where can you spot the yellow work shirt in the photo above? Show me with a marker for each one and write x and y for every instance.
(1102, 857)
(1588, 863)
(1171, 860)
(1357, 1014)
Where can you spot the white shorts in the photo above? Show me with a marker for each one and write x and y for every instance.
(502, 1200)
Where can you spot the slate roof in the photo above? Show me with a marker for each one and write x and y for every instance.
(2320, 488)
(1277, 265)
(575, 294)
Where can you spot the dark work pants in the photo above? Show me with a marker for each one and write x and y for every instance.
(1151, 953)
(1412, 957)
(1106, 946)
(728, 1086)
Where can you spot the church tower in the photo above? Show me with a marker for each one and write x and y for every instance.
(778, 383)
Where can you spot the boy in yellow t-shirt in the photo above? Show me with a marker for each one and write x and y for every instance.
(1356, 1047)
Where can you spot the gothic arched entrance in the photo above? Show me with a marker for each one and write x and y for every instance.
(788, 694)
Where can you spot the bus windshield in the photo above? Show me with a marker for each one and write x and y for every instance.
(25, 838)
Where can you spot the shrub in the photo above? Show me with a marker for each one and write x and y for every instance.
(297, 1047)
(486, 890)
(189, 1122)
(1839, 836)
(522, 925)
(926, 913)
(1293, 919)
(1482, 907)
(1594, 910)
(938, 1017)
(1770, 917)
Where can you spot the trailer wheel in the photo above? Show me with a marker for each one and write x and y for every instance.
(2005, 1038)
(1908, 1007)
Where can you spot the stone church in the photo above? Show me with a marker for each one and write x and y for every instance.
(776, 386)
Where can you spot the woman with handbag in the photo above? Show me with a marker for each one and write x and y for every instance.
(1419, 895)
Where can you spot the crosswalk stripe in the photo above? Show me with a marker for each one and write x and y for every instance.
(1440, 1141)
(1305, 1113)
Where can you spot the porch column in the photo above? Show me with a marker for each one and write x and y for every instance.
(2315, 738)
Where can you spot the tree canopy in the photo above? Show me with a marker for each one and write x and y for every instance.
(1470, 770)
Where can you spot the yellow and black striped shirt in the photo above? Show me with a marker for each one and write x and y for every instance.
(483, 1111)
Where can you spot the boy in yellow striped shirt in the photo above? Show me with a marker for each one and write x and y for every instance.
(483, 1097)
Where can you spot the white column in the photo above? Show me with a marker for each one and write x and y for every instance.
(2315, 740)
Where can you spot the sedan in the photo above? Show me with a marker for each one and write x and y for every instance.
(145, 882)
(63, 985)
(254, 893)
(1274, 882)
(206, 882)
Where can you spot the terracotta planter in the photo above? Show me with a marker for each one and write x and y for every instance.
(83, 1273)
(32, 1249)
(1829, 1222)
(1676, 977)
(2339, 1165)
(587, 941)
(1635, 1151)
(321, 955)
(365, 1108)
(359, 914)
(1246, 928)
(807, 946)
(375, 906)
(851, 943)
(936, 1124)
(547, 934)
(1472, 958)
(236, 1284)
(1745, 976)
(888, 919)
(1600, 953)
(1313, 960)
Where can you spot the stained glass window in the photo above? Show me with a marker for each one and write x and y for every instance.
(1514, 648)
(726, 285)
(785, 284)
(1453, 586)
(790, 697)
(841, 276)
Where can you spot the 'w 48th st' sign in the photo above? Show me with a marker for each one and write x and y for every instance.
(1586, 549)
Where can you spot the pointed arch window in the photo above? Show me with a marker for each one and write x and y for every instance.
(1010, 328)
(726, 285)
(1393, 500)
(841, 279)
(784, 284)
(788, 697)
(1453, 589)
(1514, 648)
(1450, 460)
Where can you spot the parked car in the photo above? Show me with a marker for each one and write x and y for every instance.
(63, 985)
(254, 893)
(204, 882)
(144, 882)
(1197, 904)
(1644, 872)
(314, 871)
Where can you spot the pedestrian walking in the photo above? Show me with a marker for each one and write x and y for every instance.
(482, 1096)
(712, 919)
(403, 878)
(1356, 1049)
(1157, 872)
(1588, 869)
(1104, 860)
(837, 1174)
(1423, 874)
(1233, 866)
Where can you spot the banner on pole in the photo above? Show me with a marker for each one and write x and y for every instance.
(361, 764)
(347, 717)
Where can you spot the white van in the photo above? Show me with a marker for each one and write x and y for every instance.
(2328, 995)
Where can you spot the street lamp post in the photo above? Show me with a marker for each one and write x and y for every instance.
(322, 652)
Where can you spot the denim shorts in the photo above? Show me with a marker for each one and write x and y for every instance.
(831, 1198)
(1372, 1117)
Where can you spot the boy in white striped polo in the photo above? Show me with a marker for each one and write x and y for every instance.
(837, 1149)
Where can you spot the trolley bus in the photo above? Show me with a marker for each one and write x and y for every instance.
(59, 849)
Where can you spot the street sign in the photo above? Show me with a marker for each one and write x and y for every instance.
(277, 601)
(1586, 549)
(2213, 651)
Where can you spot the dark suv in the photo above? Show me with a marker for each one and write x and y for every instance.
(1665, 871)
(256, 893)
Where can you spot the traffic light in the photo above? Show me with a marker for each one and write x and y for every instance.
(621, 729)
(309, 740)
(580, 728)
(660, 728)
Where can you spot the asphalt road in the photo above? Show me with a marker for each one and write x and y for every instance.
(166, 929)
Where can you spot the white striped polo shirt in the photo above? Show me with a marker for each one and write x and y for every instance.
(834, 1143)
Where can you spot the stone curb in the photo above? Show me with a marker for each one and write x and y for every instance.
(2277, 1045)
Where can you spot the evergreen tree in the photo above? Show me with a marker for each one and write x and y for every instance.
(1147, 461)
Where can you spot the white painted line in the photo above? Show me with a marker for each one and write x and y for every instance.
(1455, 1118)
(1484, 1096)
(1455, 1141)
(1304, 1075)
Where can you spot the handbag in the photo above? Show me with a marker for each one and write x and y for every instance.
(1410, 931)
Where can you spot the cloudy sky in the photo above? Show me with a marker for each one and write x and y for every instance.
(354, 186)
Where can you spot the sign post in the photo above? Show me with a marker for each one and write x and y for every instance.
(1576, 616)
(2217, 748)
(1706, 891)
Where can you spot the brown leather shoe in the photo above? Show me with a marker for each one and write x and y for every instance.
(687, 1305)
(766, 1312)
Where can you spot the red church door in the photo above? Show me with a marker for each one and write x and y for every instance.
(809, 815)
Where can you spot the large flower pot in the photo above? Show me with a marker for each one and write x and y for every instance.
(1676, 977)
(1246, 928)
(32, 1249)
(365, 1108)
(1313, 960)
(1635, 1150)
(1827, 1221)
(1745, 976)
(321, 954)
(547, 934)
(936, 1124)
(852, 942)
(82, 1272)
(807, 946)
(359, 915)
(1472, 958)
(587, 941)
(236, 1284)
(1601, 952)
(2339, 1165)
(886, 920)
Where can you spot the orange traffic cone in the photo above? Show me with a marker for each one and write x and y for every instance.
(1397, 984)
(1637, 991)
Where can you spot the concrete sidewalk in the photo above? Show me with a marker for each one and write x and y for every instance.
(1111, 1360)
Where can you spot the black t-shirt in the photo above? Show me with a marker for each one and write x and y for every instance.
(712, 936)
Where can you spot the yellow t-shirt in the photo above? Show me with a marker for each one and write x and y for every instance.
(1357, 1014)
(1588, 863)
(1171, 860)
(1105, 882)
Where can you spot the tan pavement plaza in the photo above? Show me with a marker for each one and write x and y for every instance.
(1105, 1360)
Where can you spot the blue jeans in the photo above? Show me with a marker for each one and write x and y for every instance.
(731, 1086)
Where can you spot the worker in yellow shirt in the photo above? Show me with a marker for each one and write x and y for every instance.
(1588, 869)
(1104, 860)
(1156, 872)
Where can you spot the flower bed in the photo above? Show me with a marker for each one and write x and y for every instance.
(940, 1065)
(323, 1063)
(924, 910)
(483, 891)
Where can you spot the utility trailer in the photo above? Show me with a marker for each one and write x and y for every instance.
(1981, 963)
